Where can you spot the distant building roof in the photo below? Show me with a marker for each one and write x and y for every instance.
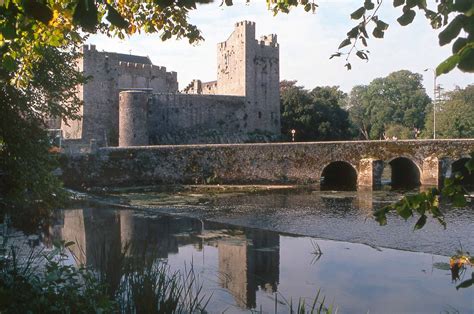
(133, 59)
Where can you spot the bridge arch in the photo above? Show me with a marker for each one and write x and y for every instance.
(404, 172)
(458, 166)
(339, 175)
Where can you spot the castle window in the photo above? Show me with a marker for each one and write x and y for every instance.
(259, 114)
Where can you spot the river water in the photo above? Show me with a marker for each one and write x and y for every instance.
(259, 251)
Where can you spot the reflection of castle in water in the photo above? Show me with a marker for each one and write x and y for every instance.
(247, 261)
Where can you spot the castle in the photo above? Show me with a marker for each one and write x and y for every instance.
(130, 102)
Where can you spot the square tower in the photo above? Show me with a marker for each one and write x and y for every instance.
(249, 67)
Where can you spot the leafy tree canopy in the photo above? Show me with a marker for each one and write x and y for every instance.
(398, 99)
(454, 17)
(314, 115)
(454, 115)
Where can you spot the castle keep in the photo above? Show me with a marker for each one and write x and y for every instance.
(130, 102)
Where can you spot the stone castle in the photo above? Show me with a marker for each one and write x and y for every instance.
(129, 101)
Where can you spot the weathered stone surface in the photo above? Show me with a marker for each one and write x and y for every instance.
(109, 74)
(244, 99)
(245, 163)
(133, 118)
(370, 172)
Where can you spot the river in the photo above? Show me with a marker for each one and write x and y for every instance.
(259, 251)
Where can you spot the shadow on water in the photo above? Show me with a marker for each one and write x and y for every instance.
(339, 176)
(246, 268)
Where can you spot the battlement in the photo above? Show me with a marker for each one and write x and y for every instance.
(193, 88)
(244, 23)
(86, 48)
(133, 65)
(268, 40)
(244, 98)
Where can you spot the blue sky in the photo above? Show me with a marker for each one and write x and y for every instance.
(306, 42)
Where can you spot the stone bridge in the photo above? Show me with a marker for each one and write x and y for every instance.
(339, 164)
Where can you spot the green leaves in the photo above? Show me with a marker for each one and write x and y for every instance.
(379, 30)
(357, 14)
(466, 57)
(447, 65)
(426, 202)
(361, 54)
(420, 223)
(458, 44)
(406, 18)
(382, 25)
(86, 15)
(421, 203)
(397, 3)
(344, 43)
(115, 18)
(369, 5)
(463, 5)
(38, 10)
(8, 63)
(452, 30)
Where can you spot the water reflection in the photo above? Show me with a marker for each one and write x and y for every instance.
(245, 268)
(247, 261)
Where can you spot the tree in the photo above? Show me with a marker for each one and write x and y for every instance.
(28, 189)
(314, 115)
(454, 15)
(29, 28)
(454, 115)
(39, 44)
(398, 99)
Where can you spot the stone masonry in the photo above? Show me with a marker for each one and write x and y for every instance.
(261, 163)
(109, 74)
(131, 102)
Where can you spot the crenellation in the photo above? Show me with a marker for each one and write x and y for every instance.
(244, 99)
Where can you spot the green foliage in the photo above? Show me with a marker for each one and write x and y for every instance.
(315, 114)
(397, 101)
(398, 131)
(427, 203)
(148, 286)
(43, 283)
(456, 16)
(423, 204)
(454, 115)
(28, 189)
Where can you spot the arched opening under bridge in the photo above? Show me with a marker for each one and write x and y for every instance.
(404, 173)
(459, 167)
(339, 176)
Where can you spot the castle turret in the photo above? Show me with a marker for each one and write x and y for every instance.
(133, 116)
(250, 68)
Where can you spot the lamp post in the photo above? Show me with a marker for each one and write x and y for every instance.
(434, 101)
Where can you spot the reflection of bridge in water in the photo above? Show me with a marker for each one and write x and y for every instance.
(247, 261)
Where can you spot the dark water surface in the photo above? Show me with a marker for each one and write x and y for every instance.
(245, 268)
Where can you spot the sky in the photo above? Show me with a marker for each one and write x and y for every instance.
(306, 41)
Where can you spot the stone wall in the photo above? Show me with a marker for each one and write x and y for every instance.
(187, 119)
(109, 74)
(250, 163)
(250, 68)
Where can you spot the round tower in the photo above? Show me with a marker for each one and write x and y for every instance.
(133, 126)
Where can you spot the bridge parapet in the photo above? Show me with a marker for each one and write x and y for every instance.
(258, 163)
